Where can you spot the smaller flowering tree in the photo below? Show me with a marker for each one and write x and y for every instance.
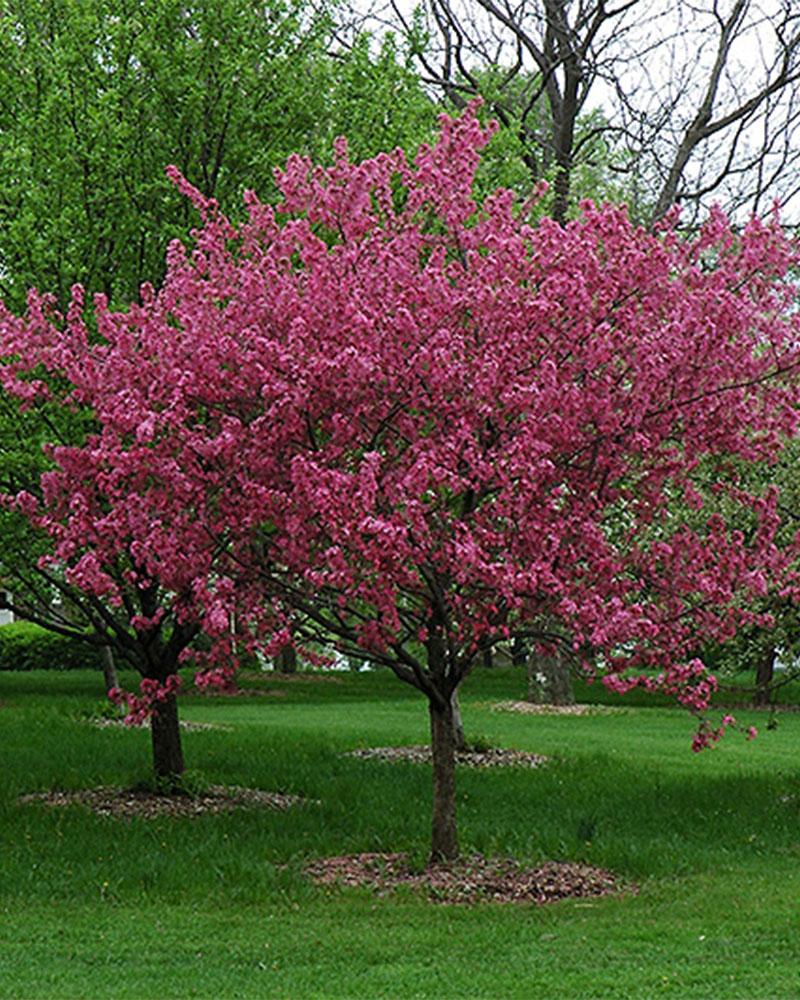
(93, 540)
(414, 428)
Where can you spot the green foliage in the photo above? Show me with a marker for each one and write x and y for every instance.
(104, 710)
(24, 646)
(98, 98)
(477, 743)
(376, 101)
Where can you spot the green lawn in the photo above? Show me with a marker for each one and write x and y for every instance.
(219, 906)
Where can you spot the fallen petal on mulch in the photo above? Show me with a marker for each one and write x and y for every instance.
(126, 803)
(531, 708)
(471, 880)
(471, 758)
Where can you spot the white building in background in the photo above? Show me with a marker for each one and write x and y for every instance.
(6, 614)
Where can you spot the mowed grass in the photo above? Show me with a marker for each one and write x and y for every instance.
(219, 906)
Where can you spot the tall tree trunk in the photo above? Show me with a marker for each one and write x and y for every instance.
(765, 671)
(166, 738)
(459, 740)
(109, 669)
(444, 835)
(550, 680)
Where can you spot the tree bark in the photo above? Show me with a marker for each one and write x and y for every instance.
(166, 739)
(765, 671)
(286, 660)
(459, 739)
(550, 680)
(444, 834)
(109, 669)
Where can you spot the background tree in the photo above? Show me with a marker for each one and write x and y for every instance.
(699, 102)
(418, 432)
(133, 621)
(98, 98)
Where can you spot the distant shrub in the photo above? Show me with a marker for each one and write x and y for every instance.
(24, 646)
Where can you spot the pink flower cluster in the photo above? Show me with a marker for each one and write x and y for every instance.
(690, 683)
(707, 735)
(221, 679)
(152, 693)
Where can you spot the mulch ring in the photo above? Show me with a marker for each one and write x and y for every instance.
(130, 803)
(470, 880)
(190, 727)
(238, 692)
(494, 757)
(531, 708)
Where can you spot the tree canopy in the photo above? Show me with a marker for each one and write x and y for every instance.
(385, 418)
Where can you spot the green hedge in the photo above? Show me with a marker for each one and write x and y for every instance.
(24, 646)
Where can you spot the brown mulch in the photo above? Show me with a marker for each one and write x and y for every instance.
(531, 708)
(238, 692)
(470, 880)
(494, 757)
(128, 803)
(190, 727)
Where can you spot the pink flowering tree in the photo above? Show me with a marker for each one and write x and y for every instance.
(410, 427)
(93, 546)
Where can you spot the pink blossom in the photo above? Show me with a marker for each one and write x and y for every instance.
(382, 416)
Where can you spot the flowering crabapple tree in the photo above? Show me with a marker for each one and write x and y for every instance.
(414, 427)
(87, 551)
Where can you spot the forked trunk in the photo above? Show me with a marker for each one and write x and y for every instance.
(444, 835)
(166, 737)
(765, 671)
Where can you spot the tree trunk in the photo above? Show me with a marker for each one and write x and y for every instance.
(109, 669)
(519, 652)
(459, 740)
(765, 671)
(488, 658)
(166, 738)
(550, 680)
(444, 835)
(286, 660)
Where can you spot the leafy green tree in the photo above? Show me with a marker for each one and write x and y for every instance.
(98, 98)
